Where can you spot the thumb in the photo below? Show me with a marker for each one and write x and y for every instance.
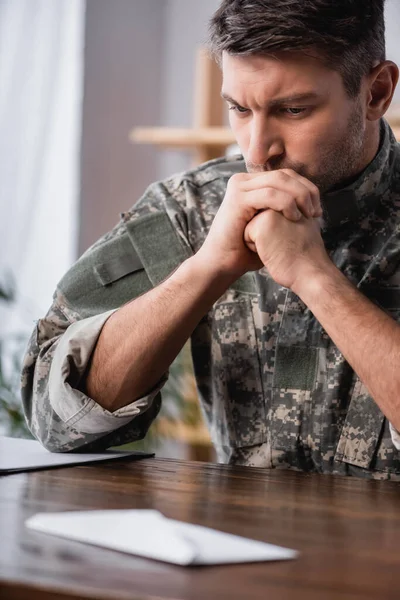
(249, 238)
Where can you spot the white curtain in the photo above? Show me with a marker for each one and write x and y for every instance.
(41, 83)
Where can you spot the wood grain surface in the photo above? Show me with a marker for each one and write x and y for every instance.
(347, 530)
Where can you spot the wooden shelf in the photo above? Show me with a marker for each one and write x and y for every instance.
(169, 137)
(208, 137)
(183, 138)
(191, 139)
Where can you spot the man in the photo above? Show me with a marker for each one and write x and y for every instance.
(286, 276)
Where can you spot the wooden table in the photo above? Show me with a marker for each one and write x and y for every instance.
(348, 532)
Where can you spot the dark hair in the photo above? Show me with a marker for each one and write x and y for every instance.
(349, 35)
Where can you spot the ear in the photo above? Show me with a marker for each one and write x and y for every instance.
(381, 83)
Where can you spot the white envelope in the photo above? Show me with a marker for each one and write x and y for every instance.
(148, 533)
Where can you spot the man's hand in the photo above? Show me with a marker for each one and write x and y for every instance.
(283, 191)
(289, 250)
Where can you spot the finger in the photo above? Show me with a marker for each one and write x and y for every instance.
(287, 178)
(248, 235)
(249, 241)
(278, 200)
(314, 191)
(251, 246)
(280, 180)
(253, 227)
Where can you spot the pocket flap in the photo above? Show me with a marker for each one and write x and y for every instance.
(105, 277)
(361, 430)
(158, 245)
(118, 267)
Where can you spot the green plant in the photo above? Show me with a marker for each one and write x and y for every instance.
(12, 420)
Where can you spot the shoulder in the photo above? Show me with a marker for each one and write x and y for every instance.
(197, 192)
(207, 174)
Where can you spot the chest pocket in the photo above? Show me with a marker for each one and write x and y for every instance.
(238, 403)
(125, 266)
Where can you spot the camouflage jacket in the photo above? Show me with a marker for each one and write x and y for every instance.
(275, 390)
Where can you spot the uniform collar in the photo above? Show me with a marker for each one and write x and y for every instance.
(354, 201)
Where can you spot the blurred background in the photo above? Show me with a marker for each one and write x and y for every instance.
(85, 86)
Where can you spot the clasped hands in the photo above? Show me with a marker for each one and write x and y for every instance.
(269, 219)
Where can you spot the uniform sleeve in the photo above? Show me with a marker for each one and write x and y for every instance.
(61, 416)
(395, 436)
(116, 269)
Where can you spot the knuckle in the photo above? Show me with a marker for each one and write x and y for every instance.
(282, 174)
(270, 192)
(304, 198)
(272, 198)
(290, 204)
(236, 179)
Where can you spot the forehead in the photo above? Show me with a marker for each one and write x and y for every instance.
(282, 75)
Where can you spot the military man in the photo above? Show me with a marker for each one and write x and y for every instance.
(282, 266)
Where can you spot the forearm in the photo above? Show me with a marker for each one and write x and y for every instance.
(139, 341)
(367, 337)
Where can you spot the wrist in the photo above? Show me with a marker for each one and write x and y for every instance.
(215, 269)
(203, 277)
(312, 280)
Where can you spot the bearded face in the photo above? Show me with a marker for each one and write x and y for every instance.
(295, 113)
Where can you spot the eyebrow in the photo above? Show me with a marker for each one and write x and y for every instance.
(279, 101)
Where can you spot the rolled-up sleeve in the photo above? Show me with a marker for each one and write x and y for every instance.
(395, 436)
(70, 360)
(58, 413)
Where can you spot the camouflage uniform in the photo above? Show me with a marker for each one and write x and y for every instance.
(275, 390)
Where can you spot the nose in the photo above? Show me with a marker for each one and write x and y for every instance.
(265, 146)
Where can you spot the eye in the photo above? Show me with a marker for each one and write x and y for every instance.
(293, 111)
(238, 108)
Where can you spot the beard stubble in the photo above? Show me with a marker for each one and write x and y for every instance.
(340, 160)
